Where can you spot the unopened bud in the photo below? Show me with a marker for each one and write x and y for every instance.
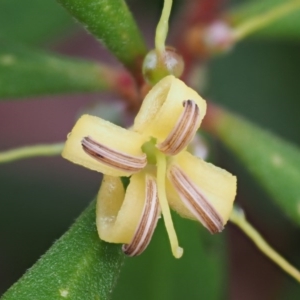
(207, 39)
(157, 65)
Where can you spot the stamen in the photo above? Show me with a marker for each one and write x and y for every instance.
(184, 130)
(161, 176)
(148, 221)
(195, 200)
(113, 158)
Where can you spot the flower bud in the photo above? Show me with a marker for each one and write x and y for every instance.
(205, 40)
(157, 65)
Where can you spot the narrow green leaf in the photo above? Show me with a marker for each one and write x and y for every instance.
(199, 274)
(112, 23)
(274, 162)
(78, 266)
(287, 27)
(28, 72)
(32, 21)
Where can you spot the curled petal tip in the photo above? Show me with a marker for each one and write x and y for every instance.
(148, 221)
(183, 131)
(113, 158)
(195, 200)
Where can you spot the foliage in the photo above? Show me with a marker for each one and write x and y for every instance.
(27, 72)
(78, 266)
(256, 79)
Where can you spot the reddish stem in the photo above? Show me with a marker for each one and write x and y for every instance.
(136, 71)
(213, 118)
(122, 83)
(196, 12)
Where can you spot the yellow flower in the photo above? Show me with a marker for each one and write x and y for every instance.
(162, 173)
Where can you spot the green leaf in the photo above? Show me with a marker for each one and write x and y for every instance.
(32, 21)
(112, 23)
(291, 288)
(28, 72)
(287, 27)
(78, 266)
(272, 161)
(156, 274)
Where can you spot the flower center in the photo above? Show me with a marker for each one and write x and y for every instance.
(150, 149)
(156, 157)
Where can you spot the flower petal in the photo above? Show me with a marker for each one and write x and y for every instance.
(148, 221)
(194, 199)
(183, 131)
(200, 190)
(119, 215)
(163, 107)
(116, 159)
(105, 147)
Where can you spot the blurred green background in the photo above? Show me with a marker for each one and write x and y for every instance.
(40, 198)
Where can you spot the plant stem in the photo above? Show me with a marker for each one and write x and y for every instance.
(238, 218)
(193, 14)
(163, 27)
(263, 20)
(31, 151)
